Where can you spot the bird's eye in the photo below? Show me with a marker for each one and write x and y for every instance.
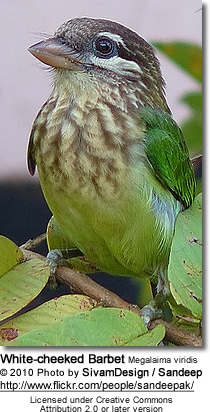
(104, 47)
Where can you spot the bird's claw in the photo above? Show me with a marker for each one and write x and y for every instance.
(150, 312)
(54, 259)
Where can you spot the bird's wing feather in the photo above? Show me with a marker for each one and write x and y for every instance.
(168, 155)
(30, 155)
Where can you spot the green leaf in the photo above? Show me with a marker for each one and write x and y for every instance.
(185, 266)
(192, 127)
(45, 315)
(10, 255)
(20, 285)
(99, 327)
(56, 238)
(188, 56)
(151, 338)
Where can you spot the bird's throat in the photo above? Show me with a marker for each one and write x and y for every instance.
(88, 138)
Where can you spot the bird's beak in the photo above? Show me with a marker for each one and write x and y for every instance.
(56, 54)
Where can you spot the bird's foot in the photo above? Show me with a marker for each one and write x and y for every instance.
(150, 312)
(56, 258)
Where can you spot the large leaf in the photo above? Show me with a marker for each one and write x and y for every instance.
(56, 239)
(151, 338)
(188, 56)
(192, 126)
(10, 255)
(185, 267)
(44, 316)
(20, 285)
(99, 327)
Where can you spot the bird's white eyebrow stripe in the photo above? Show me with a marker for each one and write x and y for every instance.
(116, 37)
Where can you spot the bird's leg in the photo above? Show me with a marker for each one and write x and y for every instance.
(163, 284)
(58, 257)
(154, 308)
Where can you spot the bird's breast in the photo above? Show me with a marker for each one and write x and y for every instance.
(87, 145)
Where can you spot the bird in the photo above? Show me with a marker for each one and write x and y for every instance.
(112, 162)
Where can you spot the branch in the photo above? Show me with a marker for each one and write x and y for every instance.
(33, 243)
(178, 336)
(83, 284)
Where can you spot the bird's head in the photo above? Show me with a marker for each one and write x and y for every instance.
(107, 52)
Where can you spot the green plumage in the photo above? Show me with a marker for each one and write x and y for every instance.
(168, 155)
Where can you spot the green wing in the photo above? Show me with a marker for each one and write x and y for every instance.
(168, 155)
